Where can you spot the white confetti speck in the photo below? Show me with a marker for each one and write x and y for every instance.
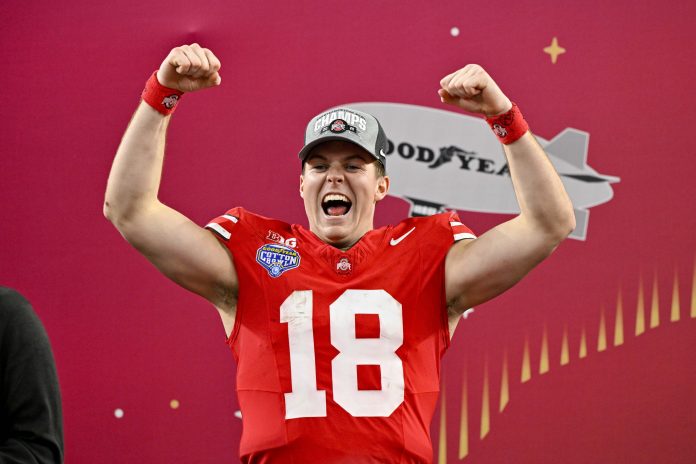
(118, 413)
(454, 31)
(238, 414)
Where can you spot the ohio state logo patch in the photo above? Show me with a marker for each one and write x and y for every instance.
(343, 266)
(499, 130)
(170, 101)
(277, 259)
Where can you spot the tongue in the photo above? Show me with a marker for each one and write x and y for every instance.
(337, 210)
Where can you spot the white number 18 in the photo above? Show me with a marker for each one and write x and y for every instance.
(305, 400)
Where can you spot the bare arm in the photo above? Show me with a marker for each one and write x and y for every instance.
(478, 270)
(180, 249)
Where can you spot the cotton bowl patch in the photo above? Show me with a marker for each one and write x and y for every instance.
(277, 259)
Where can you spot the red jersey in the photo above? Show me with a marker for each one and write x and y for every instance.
(338, 353)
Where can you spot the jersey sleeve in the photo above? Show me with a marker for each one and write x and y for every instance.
(225, 225)
(459, 230)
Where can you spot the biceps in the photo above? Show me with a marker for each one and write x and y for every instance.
(184, 252)
(481, 269)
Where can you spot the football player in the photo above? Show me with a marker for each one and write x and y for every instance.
(337, 330)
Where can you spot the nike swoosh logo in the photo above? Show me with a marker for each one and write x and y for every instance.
(396, 241)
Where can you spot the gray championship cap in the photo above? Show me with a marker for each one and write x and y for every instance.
(350, 125)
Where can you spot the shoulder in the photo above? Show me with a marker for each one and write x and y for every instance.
(18, 321)
(238, 220)
(14, 307)
(10, 298)
(445, 225)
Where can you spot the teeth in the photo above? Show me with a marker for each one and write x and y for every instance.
(336, 197)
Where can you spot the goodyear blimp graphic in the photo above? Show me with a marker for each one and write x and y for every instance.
(439, 159)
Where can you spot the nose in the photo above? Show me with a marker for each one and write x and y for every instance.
(335, 175)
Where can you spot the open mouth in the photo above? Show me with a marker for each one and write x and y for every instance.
(335, 204)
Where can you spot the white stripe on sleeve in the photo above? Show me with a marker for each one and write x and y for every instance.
(462, 236)
(231, 218)
(220, 230)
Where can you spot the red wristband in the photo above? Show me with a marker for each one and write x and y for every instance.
(161, 98)
(508, 126)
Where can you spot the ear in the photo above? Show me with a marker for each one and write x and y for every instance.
(382, 188)
(301, 186)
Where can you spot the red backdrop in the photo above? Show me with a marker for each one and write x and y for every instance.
(125, 338)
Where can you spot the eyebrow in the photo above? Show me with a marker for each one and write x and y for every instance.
(350, 158)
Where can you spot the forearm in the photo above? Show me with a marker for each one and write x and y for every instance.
(135, 174)
(543, 200)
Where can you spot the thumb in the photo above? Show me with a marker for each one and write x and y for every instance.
(445, 97)
(204, 82)
(215, 79)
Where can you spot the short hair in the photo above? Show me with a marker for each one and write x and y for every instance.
(381, 169)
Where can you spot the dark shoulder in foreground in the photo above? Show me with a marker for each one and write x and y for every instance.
(13, 306)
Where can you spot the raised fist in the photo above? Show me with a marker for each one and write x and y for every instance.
(189, 68)
(472, 89)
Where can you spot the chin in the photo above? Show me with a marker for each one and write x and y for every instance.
(335, 232)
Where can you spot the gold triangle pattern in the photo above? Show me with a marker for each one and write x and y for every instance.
(618, 324)
(565, 352)
(544, 358)
(655, 305)
(485, 403)
(442, 445)
(504, 383)
(675, 310)
(526, 366)
(602, 335)
(464, 419)
(640, 308)
(544, 364)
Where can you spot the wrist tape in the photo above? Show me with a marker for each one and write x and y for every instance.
(161, 98)
(509, 126)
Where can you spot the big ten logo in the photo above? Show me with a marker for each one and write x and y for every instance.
(276, 237)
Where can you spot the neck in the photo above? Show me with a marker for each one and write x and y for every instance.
(343, 244)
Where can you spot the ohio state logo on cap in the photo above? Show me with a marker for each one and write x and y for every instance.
(338, 123)
(338, 126)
